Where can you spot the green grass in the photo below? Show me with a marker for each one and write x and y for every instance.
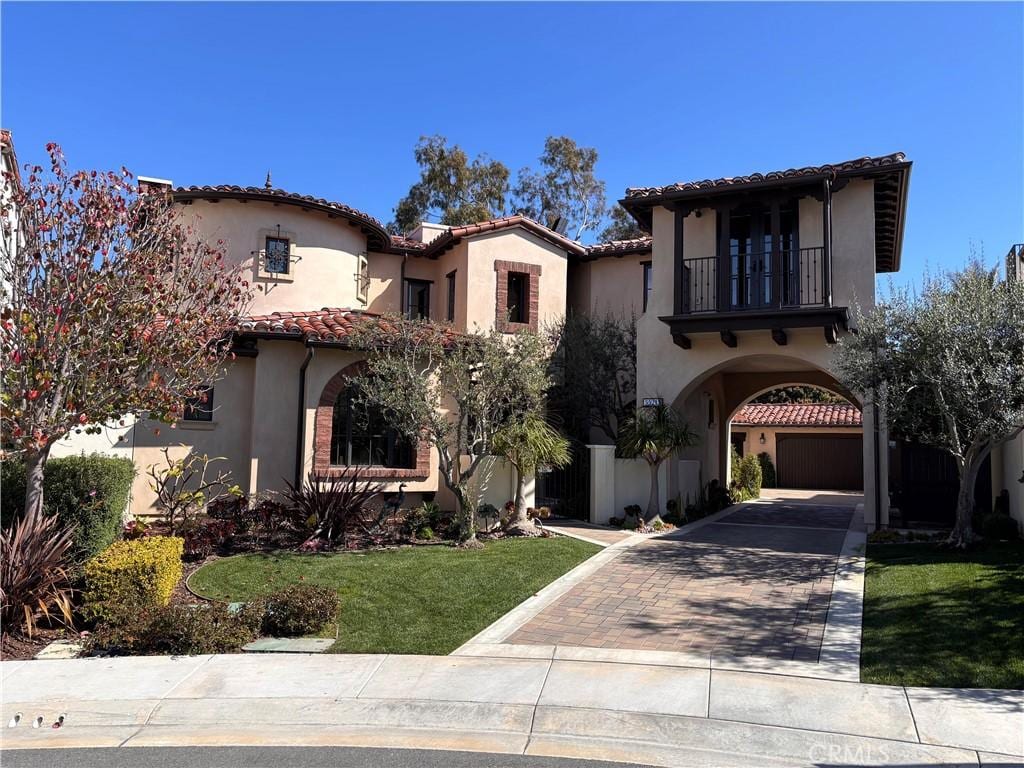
(426, 600)
(936, 617)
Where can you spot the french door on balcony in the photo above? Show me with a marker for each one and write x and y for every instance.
(750, 264)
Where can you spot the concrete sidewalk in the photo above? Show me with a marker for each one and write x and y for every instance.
(560, 702)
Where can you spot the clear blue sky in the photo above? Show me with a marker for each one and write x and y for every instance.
(332, 98)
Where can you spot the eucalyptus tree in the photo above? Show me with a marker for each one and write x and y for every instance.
(947, 365)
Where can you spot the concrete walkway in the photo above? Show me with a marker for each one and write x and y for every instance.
(557, 703)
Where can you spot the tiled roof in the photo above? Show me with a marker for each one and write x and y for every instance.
(847, 166)
(330, 325)
(620, 247)
(798, 415)
(450, 238)
(327, 324)
(378, 237)
(401, 243)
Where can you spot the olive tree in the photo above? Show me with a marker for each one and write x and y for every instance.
(456, 391)
(947, 365)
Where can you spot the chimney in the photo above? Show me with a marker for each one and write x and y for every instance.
(427, 231)
(148, 184)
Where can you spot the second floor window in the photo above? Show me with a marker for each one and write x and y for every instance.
(517, 298)
(451, 296)
(200, 407)
(647, 283)
(417, 300)
(277, 256)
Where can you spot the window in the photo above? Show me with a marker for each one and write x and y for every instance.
(361, 437)
(647, 283)
(277, 256)
(363, 279)
(451, 296)
(200, 407)
(518, 311)
(417, 299)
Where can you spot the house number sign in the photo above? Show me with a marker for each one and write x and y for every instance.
(652, 402)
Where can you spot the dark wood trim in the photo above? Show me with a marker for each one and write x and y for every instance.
(749, 320)
(682, 340)
(826, 234)
(779, 336)
(723, 259)
(776, 210)
(729, 339)
(677, 268)
(831, 334)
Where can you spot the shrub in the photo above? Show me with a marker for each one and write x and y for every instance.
(134, 628)
(884, 536)
(328, 506)
(298, 610)
(34, 577)
(89, 491)
(748, 476)
(999, 526)
(140, 571)
(426, 533)
(769, 479)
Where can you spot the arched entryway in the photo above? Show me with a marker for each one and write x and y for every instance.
(712, 399)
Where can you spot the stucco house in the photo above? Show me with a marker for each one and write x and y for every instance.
(743, 285)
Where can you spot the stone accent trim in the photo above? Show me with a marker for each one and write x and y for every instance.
(533, 272)
(322, 436)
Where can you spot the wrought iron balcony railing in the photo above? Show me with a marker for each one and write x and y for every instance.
(787, 279)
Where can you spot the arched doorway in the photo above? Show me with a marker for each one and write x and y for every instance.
(711, 399)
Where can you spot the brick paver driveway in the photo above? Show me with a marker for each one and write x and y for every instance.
(756, 582)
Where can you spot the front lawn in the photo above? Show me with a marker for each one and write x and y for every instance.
(936, 617)
(411, 600)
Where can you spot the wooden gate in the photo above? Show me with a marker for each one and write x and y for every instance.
(821, 462)
(566, 490)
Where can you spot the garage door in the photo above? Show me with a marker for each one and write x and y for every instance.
(832, 462)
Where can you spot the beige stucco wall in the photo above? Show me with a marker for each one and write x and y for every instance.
(615, 285)
(1007, 471)
(324, 252)
(513, 245)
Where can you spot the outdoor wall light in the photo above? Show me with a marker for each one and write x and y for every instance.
(762, 440)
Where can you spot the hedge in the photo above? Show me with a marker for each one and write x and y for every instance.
(132, 572)
(69, 485)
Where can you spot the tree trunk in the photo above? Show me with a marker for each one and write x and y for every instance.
(466, 515)
(963, 534)
(520, 524)
(35, 468)
(654, 502)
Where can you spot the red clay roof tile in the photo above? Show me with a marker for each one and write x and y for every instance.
(798, 415)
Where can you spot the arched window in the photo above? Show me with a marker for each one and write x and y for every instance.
(361, 437)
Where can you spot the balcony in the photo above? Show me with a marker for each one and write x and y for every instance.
(1015, 262)
(770, 290)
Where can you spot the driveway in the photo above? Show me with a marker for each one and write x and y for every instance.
(755, 582)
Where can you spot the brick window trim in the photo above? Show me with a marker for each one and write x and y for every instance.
(322, 437)
(533, 272)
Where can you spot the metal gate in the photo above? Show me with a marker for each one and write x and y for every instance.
(566, 490)
(832, 462)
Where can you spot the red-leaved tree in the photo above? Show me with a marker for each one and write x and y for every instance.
(111, 305)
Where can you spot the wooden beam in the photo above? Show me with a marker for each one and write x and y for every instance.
(779, 336)
(681, 340)
(729, 339)
(831, 335)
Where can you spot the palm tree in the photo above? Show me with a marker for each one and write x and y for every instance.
(528, 443)
(654, 434)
